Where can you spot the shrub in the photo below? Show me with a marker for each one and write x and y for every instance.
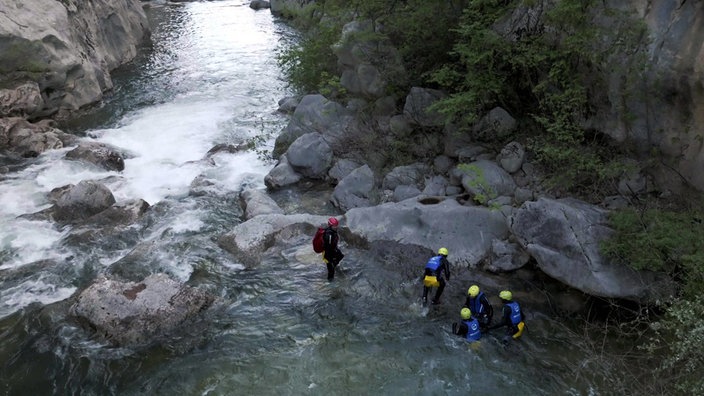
(669, 241)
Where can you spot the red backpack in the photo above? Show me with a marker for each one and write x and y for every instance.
(318, 240)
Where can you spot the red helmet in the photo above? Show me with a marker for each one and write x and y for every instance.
(333, 222)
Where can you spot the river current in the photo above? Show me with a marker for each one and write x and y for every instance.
(208, 77)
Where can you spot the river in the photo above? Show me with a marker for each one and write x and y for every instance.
(210, 76)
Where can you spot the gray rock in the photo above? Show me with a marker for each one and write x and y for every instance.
(467, 232)
(506, 257)
(314, 113)
(497, 124)
(248, 240)
(288, 104)
(413, 174)
(512, 156)
(31, 139)
(342, 168)
(282, 175)
(487, 179)
(442, 164)
(310, 155)
(21, 101)
(137, 313)
(564, 236)
(404, 192)
(436, 185)
(259, 4)
(416, 109)
(521, 195)
(258, 202)
(355, 190)
(82, 201)
(100, 154)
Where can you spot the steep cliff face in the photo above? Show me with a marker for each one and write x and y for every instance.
(67, 47)
(665, 113)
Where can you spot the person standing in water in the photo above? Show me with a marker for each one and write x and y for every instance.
(468, 328)
(331, 253)
(479, 305)
(512, 317)
(433, 273)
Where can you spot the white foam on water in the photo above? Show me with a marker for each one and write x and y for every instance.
(168, 144)
(31, 291)
(29, 241)
(186, 222)
(215, 101)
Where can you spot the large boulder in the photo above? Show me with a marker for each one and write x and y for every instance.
(70, 50)
(564, 236)
(466, 231)
(282, 175)
(413, 174)
(314, 113)
(21, 100)
(135, 313)
(417, 107)
(248, 240)
(355, 190)
(99, 154)
(82, 201)
(487, 179)
(310, 155)
(258, 202)
(31, 139)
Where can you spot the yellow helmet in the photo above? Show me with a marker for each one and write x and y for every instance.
(465, 313)
(442, 251)
(473, 291)
(505, 295)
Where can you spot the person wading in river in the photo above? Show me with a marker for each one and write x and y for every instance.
(468, 328)
(433, 273)
(480, 306)
(511, 316)
(331, 253)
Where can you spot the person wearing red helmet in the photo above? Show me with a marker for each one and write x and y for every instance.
(331, 253)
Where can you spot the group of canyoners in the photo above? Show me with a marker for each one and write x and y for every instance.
(476, 313)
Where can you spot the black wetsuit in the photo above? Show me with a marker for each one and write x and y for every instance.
(443, 268)
(484, 315)
(332, 254)
(511, 328)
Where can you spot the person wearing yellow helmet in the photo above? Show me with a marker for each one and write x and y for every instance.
(512, 317)
(480, 306)
(433, 273)
(468, 327)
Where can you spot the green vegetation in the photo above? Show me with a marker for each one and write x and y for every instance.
(311, 65)
(477, 182)
(543, 66)
(545, 70)
(671, 242)
(657, 240)
(420, 30)
(545, 74)
(546, 66)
